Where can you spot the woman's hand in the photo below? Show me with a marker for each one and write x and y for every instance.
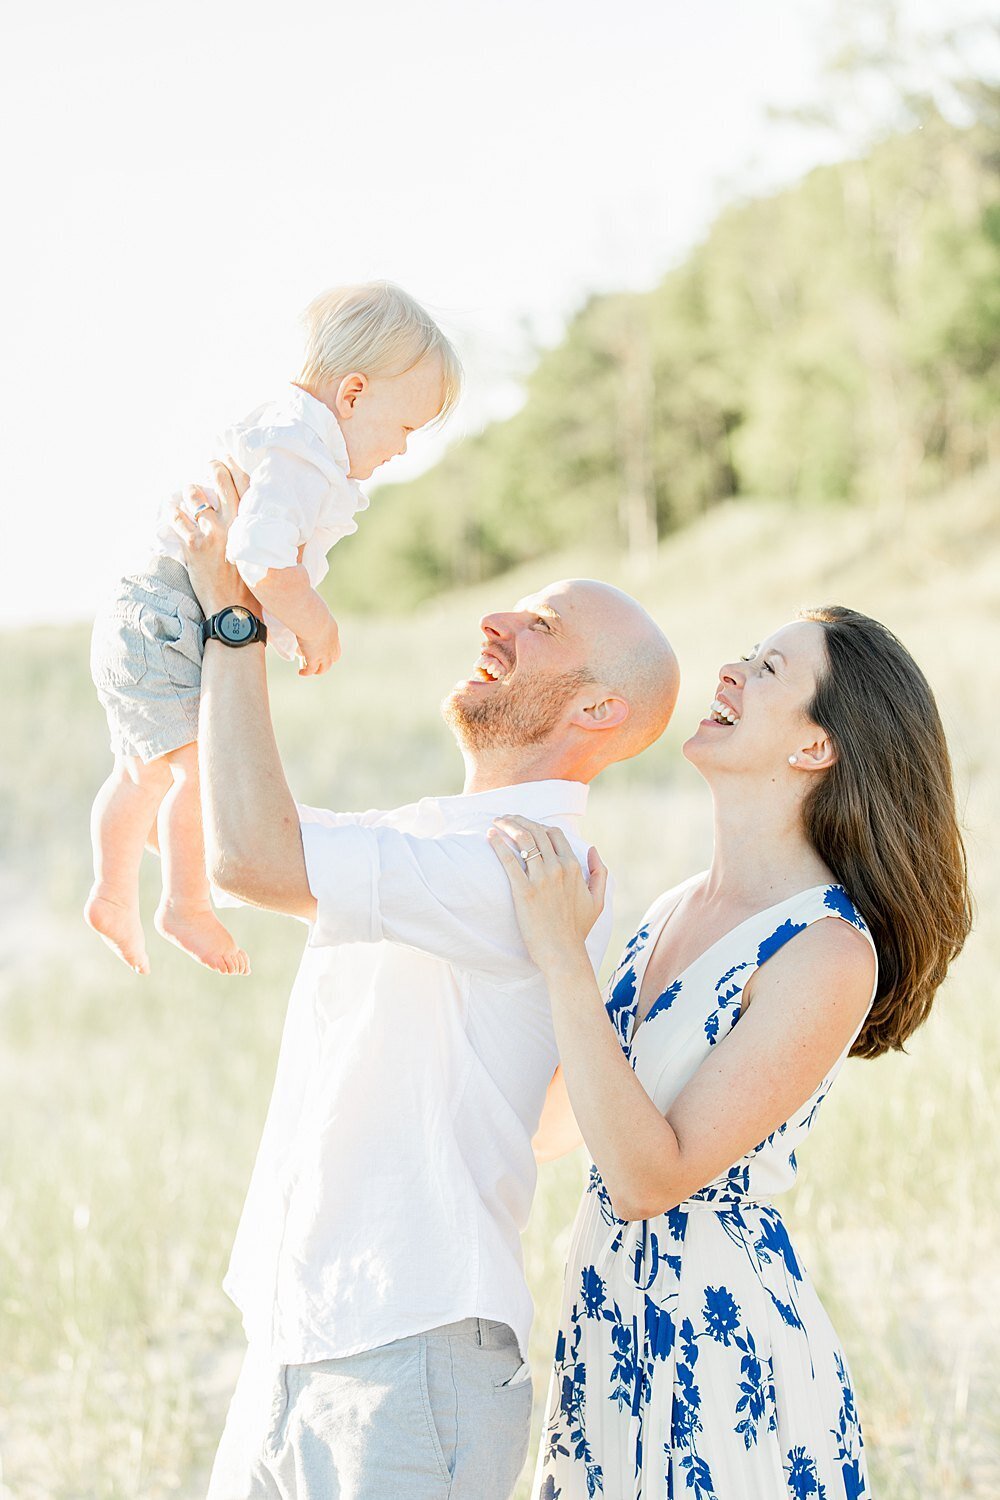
(214, 580)
(556, 906)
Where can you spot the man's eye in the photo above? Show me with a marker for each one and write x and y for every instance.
(543, 623)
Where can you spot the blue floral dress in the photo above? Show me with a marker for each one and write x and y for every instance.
(694, 1358)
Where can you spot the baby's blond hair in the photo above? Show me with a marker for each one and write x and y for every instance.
(375, 329)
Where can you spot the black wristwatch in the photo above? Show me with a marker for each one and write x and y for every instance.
(234, 626)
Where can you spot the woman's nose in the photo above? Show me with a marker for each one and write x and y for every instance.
(732, 672)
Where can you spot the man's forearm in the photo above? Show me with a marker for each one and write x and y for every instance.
(252, 841)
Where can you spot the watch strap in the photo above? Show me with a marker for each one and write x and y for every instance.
(210, 628)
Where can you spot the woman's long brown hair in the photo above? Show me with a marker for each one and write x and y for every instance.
(884, 819)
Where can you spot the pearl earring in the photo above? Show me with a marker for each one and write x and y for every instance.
(793, 760)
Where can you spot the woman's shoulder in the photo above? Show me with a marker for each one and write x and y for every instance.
(827, 900)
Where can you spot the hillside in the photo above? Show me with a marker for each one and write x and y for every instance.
(836, 341)
(133, 1109)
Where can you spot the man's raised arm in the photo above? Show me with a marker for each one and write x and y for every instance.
(253, 844)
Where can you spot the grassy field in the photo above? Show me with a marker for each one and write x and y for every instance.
(132, 1109)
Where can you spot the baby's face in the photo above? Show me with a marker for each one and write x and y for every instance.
(380, 418)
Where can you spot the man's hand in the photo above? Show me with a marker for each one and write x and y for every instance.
(319, 652)
(215, 581)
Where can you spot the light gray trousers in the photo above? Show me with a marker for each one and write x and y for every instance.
(443, 1415)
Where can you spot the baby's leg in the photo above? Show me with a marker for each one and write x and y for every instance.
(123, 812)
(185, 914)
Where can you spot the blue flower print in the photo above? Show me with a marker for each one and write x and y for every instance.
(803, 1480)
(778, 938)
(621, 1002)
(839, 902)
(774, 1241)
(721, 1313)
(698, 1477)
(729, 997)
(677, 1221)
(847, 1412)
(855, 1485)
(663, 1002)
(690, 1308)
(756, 1391)
(620, 1005)
(593, 1293)
(595, 1184)
(660, 1330)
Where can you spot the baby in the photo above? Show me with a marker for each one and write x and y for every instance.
(375, 369)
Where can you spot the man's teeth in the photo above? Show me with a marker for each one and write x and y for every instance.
(490, 668)
(723, 715)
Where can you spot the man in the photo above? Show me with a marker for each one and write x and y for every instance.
(377, 1263)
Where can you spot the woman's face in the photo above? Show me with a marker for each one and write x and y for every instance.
(758, 718)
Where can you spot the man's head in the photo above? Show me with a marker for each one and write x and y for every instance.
(572, 679)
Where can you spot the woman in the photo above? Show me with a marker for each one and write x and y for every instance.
(694, 1358)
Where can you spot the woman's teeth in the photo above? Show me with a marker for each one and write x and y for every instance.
(723, 715)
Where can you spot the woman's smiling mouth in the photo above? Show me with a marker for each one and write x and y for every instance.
(721, 713)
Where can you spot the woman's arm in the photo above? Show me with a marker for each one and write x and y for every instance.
(808, 1000)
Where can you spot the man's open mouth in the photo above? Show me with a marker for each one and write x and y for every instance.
(490, 668)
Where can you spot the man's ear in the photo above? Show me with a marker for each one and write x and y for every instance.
(348, 391)
(604, 713)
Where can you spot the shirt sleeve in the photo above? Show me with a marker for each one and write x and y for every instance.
(278, 514)
(445, 896)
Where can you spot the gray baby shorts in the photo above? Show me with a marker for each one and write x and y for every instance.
(145, 657)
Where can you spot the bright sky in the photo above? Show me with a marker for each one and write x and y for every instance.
(189, 175)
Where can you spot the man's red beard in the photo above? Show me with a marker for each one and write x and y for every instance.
(511, 715)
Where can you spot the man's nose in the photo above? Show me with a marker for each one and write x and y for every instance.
(502, 626)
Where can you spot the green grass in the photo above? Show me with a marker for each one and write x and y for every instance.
(132, 1109)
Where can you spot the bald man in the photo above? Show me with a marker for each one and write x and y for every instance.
(378, 1263)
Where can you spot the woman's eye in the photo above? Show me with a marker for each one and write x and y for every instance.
(768, 668)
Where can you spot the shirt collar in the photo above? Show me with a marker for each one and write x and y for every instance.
(322, 421)
(528, 799)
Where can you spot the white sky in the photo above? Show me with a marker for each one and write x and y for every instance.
(180, 179)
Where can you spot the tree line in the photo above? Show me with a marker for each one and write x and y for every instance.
(835, 342)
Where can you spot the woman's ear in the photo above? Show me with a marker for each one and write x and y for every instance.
(818, 755)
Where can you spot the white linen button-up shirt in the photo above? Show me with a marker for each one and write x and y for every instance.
(395, 1172)
(300, 502)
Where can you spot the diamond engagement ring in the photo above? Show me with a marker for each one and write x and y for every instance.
(527, 854)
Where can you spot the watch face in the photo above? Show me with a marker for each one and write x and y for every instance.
(236, 625)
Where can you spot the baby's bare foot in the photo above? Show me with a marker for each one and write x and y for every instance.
(118, 923)
(197, 930)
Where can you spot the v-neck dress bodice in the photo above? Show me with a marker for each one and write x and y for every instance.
(693, 1357)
